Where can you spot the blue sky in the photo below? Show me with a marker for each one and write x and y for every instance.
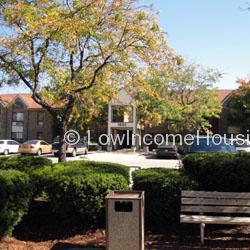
(214, 33)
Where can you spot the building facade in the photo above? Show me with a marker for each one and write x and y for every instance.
(122, 121)
(21, 119)
(221, 125)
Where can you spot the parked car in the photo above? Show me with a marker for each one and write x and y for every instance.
(207, 144)
(242, 146)
(167, 150)
(73, 150)
(8, 147)
(35, 147)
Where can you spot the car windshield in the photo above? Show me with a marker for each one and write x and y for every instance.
(31, 142)
(1, 142)
(210, 145)
(166, 145)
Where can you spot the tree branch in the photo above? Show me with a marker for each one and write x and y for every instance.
(20, 74)
(71, 63)
(36, 97)
(96, 72)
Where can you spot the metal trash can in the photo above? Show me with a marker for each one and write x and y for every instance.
(125, 220)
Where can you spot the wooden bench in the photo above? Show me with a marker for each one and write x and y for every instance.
(214, 208)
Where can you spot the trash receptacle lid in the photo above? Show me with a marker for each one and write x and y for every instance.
(126, 195)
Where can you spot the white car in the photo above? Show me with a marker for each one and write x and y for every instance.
(8, 147)
(242, 146)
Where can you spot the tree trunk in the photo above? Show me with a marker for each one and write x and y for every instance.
(62, 145)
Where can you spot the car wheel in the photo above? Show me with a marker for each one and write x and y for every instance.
(6, 152)
(73, 154)
(39, 152)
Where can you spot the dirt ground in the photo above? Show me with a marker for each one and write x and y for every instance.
(216, 238)
(42, 230)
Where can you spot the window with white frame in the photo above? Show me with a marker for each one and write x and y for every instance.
(17, 125)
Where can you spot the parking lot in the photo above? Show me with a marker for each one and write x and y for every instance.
(132, 159)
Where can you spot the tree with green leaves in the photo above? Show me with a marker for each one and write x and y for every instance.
(181, 96)
(72, 54)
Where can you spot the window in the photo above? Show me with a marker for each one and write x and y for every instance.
(12, 143)
(39, 135)
(43, 143)
(40, 119)
(17, 135)
(17, 116)
(122, 114)
(17, 125)
(19, 104)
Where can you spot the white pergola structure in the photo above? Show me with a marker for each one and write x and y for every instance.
(126, 123)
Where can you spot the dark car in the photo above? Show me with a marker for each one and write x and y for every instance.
(167, 150)
(209, 144)
(80, 148)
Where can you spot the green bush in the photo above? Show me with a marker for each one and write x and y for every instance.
(225, 172)
(78, 190)
(100, 167)
(24, 163)
(15, 195)
(162, 195)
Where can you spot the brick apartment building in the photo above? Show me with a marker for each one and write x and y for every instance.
(221, 125)
(21, 119)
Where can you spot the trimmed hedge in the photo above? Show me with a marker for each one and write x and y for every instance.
(77, 190)
(24, 163)
(15, 195)
(100, 167)
(162, 195)
(225, 172)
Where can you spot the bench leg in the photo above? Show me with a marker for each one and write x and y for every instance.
(202, 229)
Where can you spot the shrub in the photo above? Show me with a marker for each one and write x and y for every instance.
(162, 195)
(100, 167)
(24, 163)
(225, 172)
(78, 191)
(15, 194)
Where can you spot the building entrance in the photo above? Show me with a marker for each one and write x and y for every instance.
(122, 138)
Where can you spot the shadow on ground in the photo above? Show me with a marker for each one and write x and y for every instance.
(40, 228)
(40, 224)
(216, 237)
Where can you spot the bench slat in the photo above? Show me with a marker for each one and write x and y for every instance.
(215, 209)
(215, 219)
(203, 194)
(223, 202)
